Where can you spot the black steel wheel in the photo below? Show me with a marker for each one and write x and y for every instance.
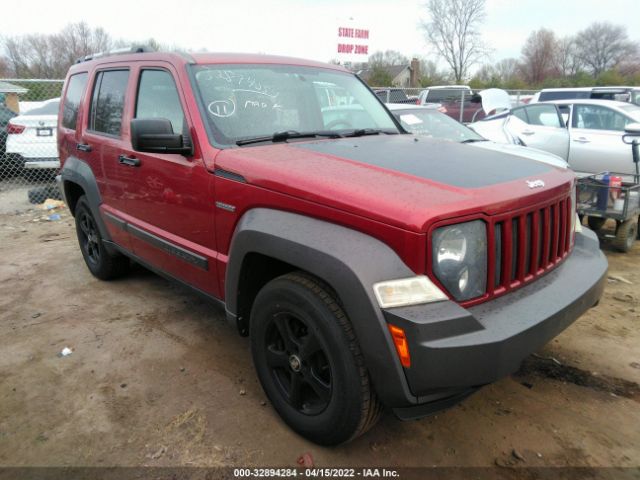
(88, 237)
(101, 263)
(309, 362)
(299, 365)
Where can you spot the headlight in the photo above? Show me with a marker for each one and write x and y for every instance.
(407, 291)
(460, 259)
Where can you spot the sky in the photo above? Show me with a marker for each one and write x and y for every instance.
(308, 28)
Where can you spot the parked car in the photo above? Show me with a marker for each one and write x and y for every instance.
(456, 101)
(368, 269)
(394, 95)
(428, 121)
(31, 142)
(586, 133)
(626, 94)
(6, 114)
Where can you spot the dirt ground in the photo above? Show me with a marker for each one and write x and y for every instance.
(158, 378)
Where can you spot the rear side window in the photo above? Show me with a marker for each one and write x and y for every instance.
(75, 92)
(107, 103)
(596, 117)
(158, 98)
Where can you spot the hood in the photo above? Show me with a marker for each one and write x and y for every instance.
(524, 152)
(400, 180)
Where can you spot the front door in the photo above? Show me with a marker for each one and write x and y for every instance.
(169, 197)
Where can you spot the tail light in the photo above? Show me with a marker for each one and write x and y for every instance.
(442, 109)
(13, 129)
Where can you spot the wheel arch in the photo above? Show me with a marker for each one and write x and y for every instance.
(348, 261)
(78, 179)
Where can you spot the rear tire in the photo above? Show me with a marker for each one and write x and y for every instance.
(309, 362)
(626, 234)
(101, 263)
(596, 223)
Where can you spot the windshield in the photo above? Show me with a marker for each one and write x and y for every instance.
(633, 111)
(435, 124)
(242, 102)
(635, 97)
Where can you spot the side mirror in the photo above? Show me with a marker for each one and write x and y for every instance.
(632, 129)
(155, 135)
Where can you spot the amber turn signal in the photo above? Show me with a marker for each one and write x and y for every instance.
(402, 346)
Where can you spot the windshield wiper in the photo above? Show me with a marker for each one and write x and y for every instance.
(361, 132)
(473, 140)
(286, 135)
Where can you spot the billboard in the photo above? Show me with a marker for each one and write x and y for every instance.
(353, 42)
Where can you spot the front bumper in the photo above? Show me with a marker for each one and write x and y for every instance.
(456, 350)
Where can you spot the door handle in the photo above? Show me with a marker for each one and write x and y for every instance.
(83, 147)
(131, 161)
(581, 140)
(528, 132)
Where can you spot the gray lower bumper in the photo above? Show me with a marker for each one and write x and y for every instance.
(454, 350)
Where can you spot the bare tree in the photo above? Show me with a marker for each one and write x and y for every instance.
(430, 74)
(453, 31)
(538, 56)
(4, 68)
(506, 69)
(567, 61)
(387, 58)
(603, 46)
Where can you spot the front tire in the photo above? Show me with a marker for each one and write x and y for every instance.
(101, 263)
(309, 362)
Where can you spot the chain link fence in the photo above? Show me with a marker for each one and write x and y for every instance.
(28, 146)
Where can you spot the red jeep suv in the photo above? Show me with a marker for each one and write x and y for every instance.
(369, 267)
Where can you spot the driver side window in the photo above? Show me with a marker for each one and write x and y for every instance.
(158, 98)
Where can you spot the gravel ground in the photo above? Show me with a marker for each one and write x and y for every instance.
(157, 378)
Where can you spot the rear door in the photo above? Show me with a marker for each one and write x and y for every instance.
(596, 140)
(103, 137)
(544, 128)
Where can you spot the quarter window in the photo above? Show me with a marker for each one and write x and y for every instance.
(75, 92)
(107, 103)
(158, 98)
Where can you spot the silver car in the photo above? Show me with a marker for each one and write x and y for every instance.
(586, 133)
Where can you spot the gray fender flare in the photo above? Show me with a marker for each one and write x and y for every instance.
(349, 261)
(77, 171)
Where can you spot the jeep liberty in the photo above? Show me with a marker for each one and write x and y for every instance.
(370, 268)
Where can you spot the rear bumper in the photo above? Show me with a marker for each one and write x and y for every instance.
(16, 160)
(455, 350)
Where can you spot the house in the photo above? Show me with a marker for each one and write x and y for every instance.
(9, 95)
(404, 76)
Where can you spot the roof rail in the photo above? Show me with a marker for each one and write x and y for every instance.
(117, 51)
